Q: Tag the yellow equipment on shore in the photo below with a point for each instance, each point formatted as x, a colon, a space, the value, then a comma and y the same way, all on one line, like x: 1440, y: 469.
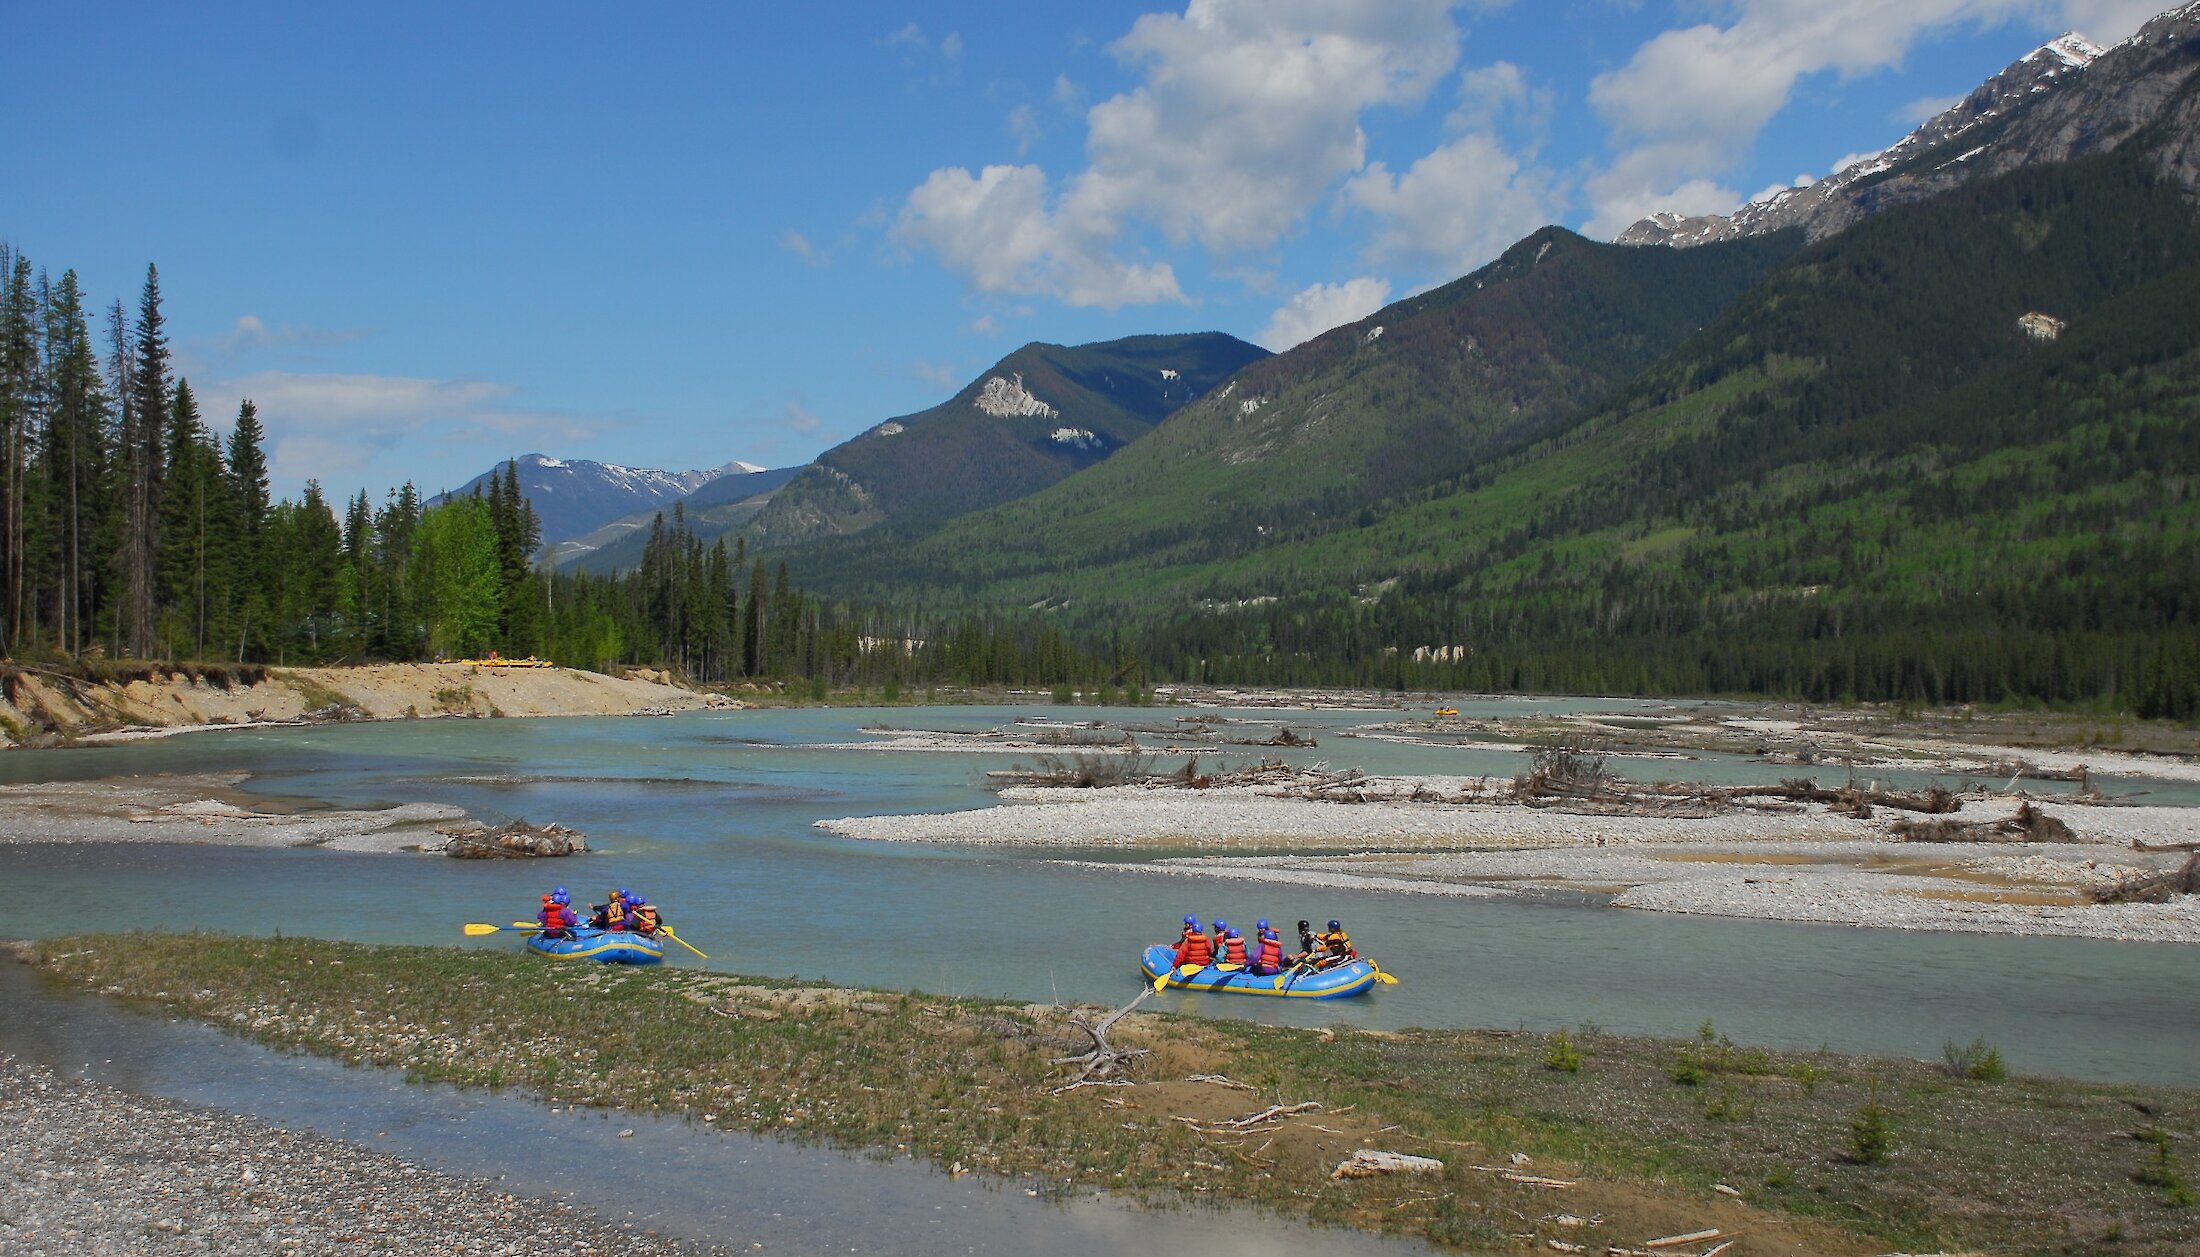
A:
x: 497, y: 661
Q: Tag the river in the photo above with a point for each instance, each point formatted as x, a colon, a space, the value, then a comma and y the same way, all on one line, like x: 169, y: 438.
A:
x: 710, y: 814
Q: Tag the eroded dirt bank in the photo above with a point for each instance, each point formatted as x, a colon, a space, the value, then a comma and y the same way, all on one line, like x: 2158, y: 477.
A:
x: 39, y: 706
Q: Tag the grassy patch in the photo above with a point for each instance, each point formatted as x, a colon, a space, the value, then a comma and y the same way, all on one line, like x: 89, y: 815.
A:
x: 2026, y: 1166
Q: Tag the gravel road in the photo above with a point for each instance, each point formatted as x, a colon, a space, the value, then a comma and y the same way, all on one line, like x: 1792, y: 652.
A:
x: 88, y: 1171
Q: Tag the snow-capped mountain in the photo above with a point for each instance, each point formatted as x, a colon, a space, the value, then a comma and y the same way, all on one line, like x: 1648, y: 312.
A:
x: 577, y: 496
x: 2068, y: 97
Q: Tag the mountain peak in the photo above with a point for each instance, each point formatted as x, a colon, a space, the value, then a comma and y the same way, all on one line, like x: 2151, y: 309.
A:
x: 2069, y: 95
x: 2075, y: 51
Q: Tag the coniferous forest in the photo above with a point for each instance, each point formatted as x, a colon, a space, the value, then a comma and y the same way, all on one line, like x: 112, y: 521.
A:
x: 130, y: 530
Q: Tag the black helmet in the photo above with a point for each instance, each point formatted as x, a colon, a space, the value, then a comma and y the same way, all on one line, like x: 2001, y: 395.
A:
x: 1305, y: 925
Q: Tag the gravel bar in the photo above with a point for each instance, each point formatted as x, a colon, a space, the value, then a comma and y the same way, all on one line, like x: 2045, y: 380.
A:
x: 87, y: 1170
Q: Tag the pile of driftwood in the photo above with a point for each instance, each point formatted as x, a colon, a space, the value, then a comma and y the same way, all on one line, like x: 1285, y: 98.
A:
x: 2160, y: 886
x: 514, y: 840
x: 2027, y: 824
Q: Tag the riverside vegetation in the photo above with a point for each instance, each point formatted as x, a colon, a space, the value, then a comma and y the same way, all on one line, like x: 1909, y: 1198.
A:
x: 1814, y: 1152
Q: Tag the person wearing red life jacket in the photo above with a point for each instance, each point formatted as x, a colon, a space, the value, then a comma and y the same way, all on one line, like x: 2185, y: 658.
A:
x: 556, y: 915
x: 1267, y: 950
x: 1193, y: 947
x: 643, y: 918
x: 1233, y: 949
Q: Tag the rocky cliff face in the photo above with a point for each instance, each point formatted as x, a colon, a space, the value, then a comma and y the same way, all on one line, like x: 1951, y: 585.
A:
x: 2066, y: 99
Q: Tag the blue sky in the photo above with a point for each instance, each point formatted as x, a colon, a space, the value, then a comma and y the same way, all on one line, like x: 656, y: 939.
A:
x: 425, y: 238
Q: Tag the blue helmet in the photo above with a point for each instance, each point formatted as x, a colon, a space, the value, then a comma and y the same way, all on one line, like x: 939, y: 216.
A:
x: 1192, y: 921
x: 1336, y: 925
x: 624, y: 893
x: 1222, y: 927
x: 1261, y: 924
x: 559, y: 893
x: 1233, y: 934
x: 636, y: 901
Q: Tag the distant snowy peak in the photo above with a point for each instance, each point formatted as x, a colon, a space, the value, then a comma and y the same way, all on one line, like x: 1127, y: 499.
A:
x: 1828, y: 204
x: 642, y: 480
x: 574, y: 496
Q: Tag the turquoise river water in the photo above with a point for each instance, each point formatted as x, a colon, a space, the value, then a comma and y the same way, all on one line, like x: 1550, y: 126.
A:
x: 710, y: 814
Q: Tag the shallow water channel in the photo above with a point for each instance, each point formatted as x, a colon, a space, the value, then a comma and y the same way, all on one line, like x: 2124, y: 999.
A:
x: 710, y: 814
x: 671, y: 1176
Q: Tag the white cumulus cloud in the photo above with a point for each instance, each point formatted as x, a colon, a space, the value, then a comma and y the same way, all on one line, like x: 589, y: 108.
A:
x: 1246, y: 114
x: 999, y: 230
x: 1316, y: 309
x: 1454, y: 209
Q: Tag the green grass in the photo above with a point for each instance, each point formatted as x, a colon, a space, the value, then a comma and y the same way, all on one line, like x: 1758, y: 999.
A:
x: 2025, y: 1166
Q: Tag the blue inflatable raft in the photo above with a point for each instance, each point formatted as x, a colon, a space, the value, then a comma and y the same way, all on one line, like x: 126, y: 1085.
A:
x: 1351, y: 978
x: 612, y: 947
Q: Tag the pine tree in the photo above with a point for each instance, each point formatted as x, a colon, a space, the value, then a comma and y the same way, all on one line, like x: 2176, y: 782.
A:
x: 142, y: 467
x: 73, y: 463
x: 21, y: 373
x: 246, y: 469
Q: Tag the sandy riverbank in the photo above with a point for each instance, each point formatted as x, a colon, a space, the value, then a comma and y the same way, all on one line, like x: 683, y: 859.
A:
x: 1806, y: 863
x: 204, y: 808
x: 43, y: 705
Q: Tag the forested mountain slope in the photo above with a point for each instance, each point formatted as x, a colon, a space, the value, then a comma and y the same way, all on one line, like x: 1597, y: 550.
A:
x: 1866, y: 478
x: 1040, y: 414
x: 1332, y: 434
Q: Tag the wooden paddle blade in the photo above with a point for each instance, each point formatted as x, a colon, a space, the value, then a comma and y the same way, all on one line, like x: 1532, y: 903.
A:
x: 481, y: 927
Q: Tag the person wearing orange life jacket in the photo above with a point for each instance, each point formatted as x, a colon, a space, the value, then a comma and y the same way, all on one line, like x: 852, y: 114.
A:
x: 1336, y: 947
x: 643, y: 918
x: 1193, y: 947
x: 1267, y: 950
x: 1233, y: 949
x: 612, y: 915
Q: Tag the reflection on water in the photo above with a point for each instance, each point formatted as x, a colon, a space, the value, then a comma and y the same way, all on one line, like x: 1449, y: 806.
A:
x: 672, y: 1176
x: 731, y: 853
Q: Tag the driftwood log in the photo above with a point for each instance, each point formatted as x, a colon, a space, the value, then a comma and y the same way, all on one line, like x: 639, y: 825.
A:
x: 2156, y: 887
x: 2027, y: 824
x: 514, y: 840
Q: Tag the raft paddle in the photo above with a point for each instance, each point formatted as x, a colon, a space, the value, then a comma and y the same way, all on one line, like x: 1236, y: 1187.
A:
x: 482, y: 927
x: 1181, y: 973
x: 666, y: 930
x: 1380, y: 976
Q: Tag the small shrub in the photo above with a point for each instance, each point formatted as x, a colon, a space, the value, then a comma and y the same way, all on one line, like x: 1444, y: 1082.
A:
x: 1688, y: 1068
x: 2161, y: 1171
x: 1562, y: 1055
x: 1980, y: 1061
x: 1779, y: 1177
x: 1808, y: 1075
x: 1728, y: 1105
x: 1871, y: 1132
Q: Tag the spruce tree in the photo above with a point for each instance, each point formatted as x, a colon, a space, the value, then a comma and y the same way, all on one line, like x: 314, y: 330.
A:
x: 142, y: 467
x: 20, y: 376
x: 246, y: 469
